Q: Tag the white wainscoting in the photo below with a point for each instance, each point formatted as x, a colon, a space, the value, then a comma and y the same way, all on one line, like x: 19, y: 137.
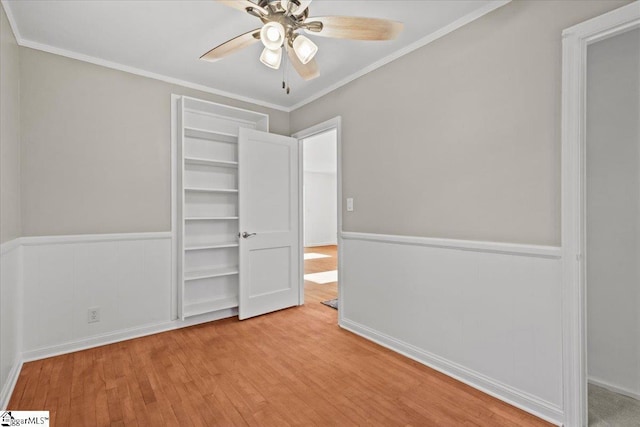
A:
x: 49, y: 283
x: 10, y: 318
x: 488, y: 314
x: 128, y: 276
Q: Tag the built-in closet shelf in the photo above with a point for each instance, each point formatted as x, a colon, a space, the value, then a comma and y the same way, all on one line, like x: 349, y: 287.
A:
x: 209, y: 306
x: 211, y: 218
x: 217, y: 246
x: 209, y: 273
x: 210, y: 135
x: 207, y: 198
x: 210, y: 162
x: 211, y: 190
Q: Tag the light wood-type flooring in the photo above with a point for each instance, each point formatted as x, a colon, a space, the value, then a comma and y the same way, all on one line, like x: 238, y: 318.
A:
x: 292, y: 367
x: 313, y: 292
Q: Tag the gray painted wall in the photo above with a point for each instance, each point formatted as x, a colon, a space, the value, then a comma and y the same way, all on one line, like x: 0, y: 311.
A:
x: 461, y: 138
x: 10, y: 226
x: 96, y: 147
x: 613, y: 211
x: 10, y: 275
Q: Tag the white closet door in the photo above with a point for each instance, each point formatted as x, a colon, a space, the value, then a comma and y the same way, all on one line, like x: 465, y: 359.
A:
x: 269, y: 217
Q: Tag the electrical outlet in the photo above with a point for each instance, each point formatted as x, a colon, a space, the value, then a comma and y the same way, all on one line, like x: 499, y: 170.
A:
x: 94, y: 314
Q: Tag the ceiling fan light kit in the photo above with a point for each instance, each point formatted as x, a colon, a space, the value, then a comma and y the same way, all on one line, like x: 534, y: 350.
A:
x: 271, y: 57
x: 283, y: 20
x: 304, y: 48
x: 272, y: 35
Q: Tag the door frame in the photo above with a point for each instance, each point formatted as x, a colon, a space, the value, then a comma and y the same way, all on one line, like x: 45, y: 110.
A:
x: 335, y: 123
x: 575, y: 41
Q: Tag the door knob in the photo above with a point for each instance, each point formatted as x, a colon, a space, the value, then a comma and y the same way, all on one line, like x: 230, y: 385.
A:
x: 247, y: 235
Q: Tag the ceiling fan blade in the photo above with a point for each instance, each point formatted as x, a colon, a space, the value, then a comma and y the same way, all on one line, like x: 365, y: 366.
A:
x: 308, y: 71
x: 231, y: 46
x: 355, y: 28
x: 243, y: 5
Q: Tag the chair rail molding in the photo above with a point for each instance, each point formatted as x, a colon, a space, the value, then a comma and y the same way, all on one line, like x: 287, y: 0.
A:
x: 92, y: 238
x: 575, y: 41
x: 468, y: 245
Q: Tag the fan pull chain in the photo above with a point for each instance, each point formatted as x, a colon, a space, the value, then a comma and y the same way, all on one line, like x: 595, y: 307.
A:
x: 284, y: 67
x: 287, y: 74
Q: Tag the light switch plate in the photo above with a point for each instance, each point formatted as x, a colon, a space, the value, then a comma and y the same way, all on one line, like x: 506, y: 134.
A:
x: 349, y: 204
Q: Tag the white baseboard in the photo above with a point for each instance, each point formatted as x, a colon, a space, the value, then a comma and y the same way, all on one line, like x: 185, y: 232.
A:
x: 132, y: 266
x: 69, y: 347
x: 113, y: 336
x: 524, y: 401
x: 9, y: 386
x: 614, y: 388
x: 123, y: 335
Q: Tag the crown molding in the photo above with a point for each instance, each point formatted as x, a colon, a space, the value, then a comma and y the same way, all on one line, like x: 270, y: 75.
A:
x: 12, y: 20
x: 127, y: 69
x: 489, y: 7
x: 144, y: 73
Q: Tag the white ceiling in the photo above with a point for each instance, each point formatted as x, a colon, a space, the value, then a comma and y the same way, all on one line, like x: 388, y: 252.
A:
x: 166, y: 38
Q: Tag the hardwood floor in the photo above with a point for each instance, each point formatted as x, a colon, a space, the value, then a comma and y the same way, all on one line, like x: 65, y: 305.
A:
x: 314, y: 292
x: 292, y: 367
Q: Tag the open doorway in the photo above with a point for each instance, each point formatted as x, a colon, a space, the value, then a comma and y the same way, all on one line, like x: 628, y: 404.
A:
x: 601, y: 219
x: 320, y: 208
x: 613, y: 230
x: 320, y: 217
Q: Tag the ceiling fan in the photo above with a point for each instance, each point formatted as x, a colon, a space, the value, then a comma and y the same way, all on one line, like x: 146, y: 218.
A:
x: 282, y: 22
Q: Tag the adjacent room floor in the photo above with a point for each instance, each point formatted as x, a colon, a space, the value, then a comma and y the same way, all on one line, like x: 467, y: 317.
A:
x: 609, y: 409
x: 315, y: 292
x: 292, y: 367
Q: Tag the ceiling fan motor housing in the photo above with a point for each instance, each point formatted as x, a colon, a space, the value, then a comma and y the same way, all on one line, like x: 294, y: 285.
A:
x: 276, y: 6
